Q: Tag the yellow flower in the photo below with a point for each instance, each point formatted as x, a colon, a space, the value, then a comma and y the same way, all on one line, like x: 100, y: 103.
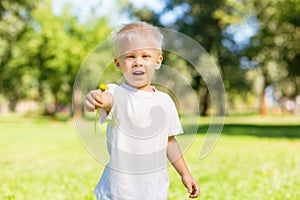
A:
x: 102, y: 87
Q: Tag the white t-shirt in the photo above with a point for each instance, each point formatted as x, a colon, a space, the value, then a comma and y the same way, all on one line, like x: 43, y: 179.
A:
x: 139, y: 124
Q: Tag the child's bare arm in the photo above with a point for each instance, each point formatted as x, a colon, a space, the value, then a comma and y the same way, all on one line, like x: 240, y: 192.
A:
x: 175, y: 157
x: 98, y: 99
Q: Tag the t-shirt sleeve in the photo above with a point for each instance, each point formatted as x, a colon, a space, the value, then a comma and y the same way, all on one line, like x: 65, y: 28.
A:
x: 175, y: 127
x: 103, y: 115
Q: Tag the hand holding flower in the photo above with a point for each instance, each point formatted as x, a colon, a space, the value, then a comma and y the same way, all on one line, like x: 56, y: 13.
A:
x: 102, y: 87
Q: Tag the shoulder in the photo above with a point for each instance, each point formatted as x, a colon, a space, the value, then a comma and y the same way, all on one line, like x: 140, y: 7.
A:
x: 164, y: 96
x: 112, y: 87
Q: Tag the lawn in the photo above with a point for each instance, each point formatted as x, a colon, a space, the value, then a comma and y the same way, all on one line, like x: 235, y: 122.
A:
x: 255, y: 158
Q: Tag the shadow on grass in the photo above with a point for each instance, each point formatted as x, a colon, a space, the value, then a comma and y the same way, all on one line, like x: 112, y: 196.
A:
x: 274, y: 131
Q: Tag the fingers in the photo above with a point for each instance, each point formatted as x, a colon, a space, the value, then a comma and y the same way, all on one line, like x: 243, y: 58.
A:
x: 189, y: 188
x: 93, y: 100
x: 195, y: 191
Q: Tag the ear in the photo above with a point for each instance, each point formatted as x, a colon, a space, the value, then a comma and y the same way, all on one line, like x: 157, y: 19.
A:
x: 117, y: 63
x: 159, y: 61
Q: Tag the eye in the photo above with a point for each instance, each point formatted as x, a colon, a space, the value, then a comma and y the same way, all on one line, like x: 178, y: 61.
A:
x: 146, y: 56
x: 129, y: 57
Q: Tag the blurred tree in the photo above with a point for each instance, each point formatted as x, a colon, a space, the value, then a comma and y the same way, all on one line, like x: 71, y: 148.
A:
x: 275, y: 49
x: 41, y: 52
x: 58, y: 47
x: 14, y: 23
x: 205, y: 22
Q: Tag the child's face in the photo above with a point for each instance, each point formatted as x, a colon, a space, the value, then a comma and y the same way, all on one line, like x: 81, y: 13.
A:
x: 138, y: 66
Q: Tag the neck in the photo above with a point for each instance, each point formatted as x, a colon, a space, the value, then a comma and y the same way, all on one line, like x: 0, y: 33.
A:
x: 146, y: 87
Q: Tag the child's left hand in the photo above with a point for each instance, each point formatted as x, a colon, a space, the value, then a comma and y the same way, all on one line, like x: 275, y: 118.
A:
x: 191, y: 184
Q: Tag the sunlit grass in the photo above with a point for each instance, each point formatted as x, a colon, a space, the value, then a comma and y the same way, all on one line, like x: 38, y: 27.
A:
x: 244, y: 167
x: 45, y: 161
x: 40, y: 159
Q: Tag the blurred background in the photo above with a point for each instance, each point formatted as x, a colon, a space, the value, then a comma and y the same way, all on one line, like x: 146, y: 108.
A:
x: 254, y: 43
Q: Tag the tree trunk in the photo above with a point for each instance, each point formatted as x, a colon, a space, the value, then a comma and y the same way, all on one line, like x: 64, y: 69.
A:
x: 77, y: 103
x: 206, y: 100
x: 12, y: 105
x: 263, y: 105
x: 222, y: 102
x: 55, y: 109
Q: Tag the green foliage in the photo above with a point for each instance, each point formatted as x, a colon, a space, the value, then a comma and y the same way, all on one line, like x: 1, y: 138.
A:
x: 62, y: 44
x: 14, y: 22
x: 275, y: 47
x: 42, y: 52
x: 205, y: 22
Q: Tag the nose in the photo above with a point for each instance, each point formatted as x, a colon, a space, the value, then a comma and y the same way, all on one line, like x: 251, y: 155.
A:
x: 138, y: 62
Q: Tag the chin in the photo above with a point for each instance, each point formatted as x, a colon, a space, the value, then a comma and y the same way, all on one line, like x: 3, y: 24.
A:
x: 137, y: 84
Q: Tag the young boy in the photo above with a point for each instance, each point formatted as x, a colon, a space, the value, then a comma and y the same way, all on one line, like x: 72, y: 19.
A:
x: 142, y: 123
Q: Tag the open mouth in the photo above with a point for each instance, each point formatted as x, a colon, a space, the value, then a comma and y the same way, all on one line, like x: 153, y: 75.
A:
x: 138, y: 73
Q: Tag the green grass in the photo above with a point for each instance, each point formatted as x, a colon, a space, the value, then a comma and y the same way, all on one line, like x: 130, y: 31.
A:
x: 255, y: 158
x: 44, y: 161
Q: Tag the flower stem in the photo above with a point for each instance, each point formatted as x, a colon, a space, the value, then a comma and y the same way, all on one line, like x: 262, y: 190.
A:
x: 102, y: 87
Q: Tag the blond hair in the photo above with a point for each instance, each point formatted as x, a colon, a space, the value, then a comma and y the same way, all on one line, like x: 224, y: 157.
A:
x: 139, y: 30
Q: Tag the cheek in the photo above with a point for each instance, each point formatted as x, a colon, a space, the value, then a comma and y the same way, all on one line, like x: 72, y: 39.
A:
x: 151, y: 66
x: 126, y: 65
x: 150, y: 69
